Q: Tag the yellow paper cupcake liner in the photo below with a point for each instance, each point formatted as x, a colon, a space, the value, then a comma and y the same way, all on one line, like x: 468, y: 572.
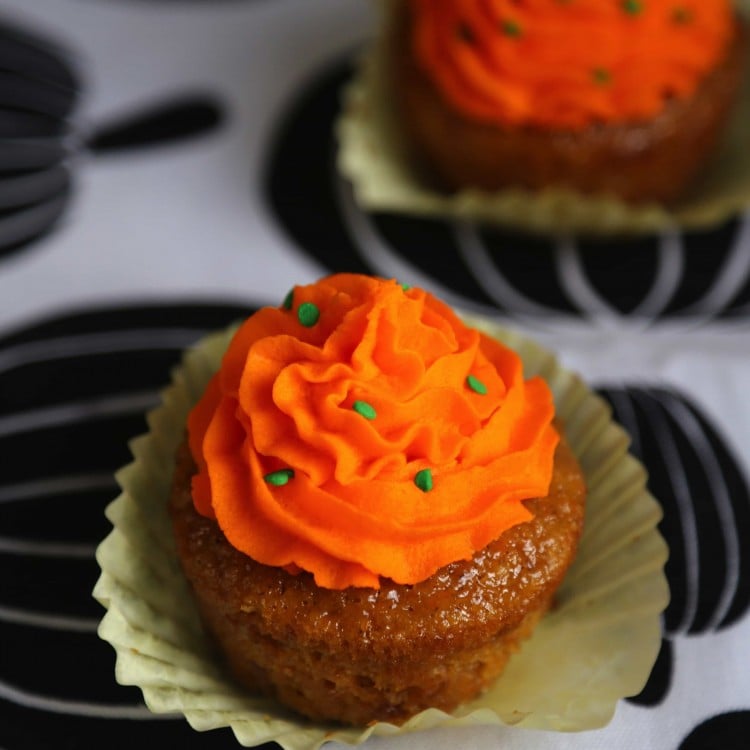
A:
x: 374, y: 158
x: 597, y: 646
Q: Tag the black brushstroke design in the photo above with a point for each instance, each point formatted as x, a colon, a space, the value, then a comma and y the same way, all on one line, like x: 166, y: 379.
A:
x: 31, y: 56
x: 40, y: 86
x: 705, y: 524
x: 728, y: 731
x: 302, y: 185
x: 184, y: 117
x: 131, y: 350
x: 660, y: 679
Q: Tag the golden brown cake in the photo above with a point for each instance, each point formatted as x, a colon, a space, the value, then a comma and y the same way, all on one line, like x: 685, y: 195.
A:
x: 622, y: 98
x: 373, y: 506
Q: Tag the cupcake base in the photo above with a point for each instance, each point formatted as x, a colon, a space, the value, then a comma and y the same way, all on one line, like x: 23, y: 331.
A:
x: 361, y: 655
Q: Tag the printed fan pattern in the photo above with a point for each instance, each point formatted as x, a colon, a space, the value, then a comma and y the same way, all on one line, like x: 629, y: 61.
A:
x: 73, y: 391
x: 41, y: 141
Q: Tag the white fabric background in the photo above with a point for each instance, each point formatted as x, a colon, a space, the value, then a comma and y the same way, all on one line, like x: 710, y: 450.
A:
x: 191, y: 224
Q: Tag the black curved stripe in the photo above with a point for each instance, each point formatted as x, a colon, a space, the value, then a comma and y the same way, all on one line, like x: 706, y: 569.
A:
x: 705, y: 252
x: 21, y: 156
x: 33, y: 187
x: 660, y: 680
x: 660, y: 484
x: 50, y: 585
x: 61, y: 654
x: 706, y: 501
x: 38, y: 92
x: 739, y: 493
x: 86, y: 376
x: 118, y: 318
x: 712, y: 537
x: 40, y: 96
x: 302, y: 184
x: 429, y: 245
x: 82, y: 447
x: 34, y: 729
x: 43, y: 512
x: 171, y: 121
x: 32, y: 56
x: 528, y: 264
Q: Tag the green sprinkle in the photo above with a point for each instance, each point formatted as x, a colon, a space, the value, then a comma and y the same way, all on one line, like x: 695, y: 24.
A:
x: 682, y: 16
x: 632, y: 7
x: 601, y: 76
x: 364, y: 409
x: 406, y: 287
x: 308, y: 314
x: 512, y: 29
x: 476, y: 385
x: 423, y: 480
x: 465, y: 33
x: 288, y: 300
x: 279, y: 478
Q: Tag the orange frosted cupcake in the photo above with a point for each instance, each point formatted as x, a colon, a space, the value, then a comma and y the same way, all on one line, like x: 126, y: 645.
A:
x: 626, y: 97
x: 373, y: 506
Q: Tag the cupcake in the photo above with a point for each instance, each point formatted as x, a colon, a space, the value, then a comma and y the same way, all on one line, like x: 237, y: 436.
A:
x: 626, y: 98
x: 580, y: 649
x: 372, y: 506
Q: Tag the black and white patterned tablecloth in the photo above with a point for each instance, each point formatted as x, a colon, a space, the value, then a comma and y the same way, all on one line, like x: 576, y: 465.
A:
x: 167, y: 166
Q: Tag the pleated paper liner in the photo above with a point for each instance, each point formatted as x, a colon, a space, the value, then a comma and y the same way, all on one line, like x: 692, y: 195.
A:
x: 597, y: 645
x: 375, y: 159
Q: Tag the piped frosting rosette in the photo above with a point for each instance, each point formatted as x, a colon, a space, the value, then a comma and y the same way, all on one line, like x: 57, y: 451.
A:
x: 362, y: 430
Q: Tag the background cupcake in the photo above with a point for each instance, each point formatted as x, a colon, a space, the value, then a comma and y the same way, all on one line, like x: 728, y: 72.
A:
x: 590, y: 117
x: 606, y: 614
x: 624, y: 98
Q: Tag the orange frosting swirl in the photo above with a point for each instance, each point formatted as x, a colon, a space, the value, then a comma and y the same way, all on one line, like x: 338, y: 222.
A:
x: 362, y: 430
x: 565, y: 64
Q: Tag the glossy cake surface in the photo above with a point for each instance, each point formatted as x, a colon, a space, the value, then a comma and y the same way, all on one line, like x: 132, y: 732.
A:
x: 357, y: 654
